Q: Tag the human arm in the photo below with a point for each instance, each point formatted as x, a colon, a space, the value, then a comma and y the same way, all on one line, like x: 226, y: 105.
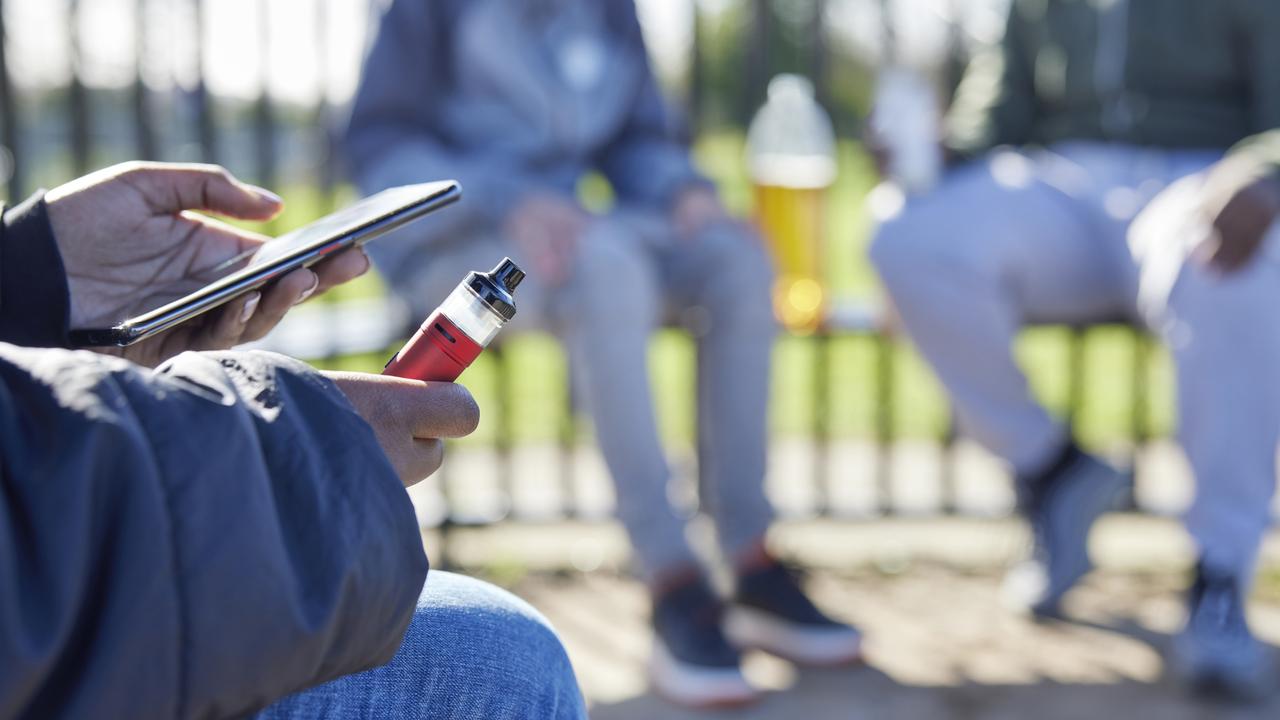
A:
x: 196, y: 541
x: 645, y: 163
x: 390, y: 138
x: 1242, y: 192
x: 129, y: 240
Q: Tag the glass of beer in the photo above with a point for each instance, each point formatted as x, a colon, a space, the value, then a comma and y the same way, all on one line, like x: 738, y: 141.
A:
x: 791, y: 156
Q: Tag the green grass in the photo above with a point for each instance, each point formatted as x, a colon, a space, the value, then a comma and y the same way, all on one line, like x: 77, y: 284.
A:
x: 536, y: 368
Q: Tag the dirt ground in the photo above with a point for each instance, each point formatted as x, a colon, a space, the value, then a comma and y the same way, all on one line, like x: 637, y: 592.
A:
x: 938, y: 642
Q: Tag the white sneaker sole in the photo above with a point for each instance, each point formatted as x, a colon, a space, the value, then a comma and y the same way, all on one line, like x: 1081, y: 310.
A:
x: 696, y: 686
x: 749, y: 628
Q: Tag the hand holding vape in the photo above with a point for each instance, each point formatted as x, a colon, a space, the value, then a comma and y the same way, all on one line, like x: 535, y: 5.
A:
x: 460, y: 329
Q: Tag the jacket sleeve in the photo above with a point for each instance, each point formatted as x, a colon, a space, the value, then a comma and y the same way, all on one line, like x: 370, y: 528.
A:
x: 996, y: 101
x: 390, y: 138
x: 1259, y: 24
x: 646, y: 165
x: 34, y: 301
x: 192, y: 542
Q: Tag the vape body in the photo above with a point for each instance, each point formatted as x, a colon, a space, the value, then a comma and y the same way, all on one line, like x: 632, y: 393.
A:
x: 460, y: 329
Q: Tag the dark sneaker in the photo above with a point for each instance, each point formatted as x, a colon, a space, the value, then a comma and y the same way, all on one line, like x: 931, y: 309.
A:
x: 1216, y: 654
x: 1061, y: 508
x: 693, y: 663
x: 770, y: 612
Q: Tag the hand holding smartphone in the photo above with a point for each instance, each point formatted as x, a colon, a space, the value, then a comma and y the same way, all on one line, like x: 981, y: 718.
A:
x: 351, y: 227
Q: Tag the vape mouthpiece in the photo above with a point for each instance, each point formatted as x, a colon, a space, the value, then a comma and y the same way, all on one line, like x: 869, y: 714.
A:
x: 494, y: 287
x: 507, y: 275
x: 454, y: 335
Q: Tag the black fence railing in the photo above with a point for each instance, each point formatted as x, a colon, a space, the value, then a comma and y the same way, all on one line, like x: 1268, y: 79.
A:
x: 49, y: 133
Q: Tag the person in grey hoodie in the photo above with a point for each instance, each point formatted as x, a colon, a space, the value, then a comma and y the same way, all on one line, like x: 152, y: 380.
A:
x: 203, y: 539
x: 520, y: 100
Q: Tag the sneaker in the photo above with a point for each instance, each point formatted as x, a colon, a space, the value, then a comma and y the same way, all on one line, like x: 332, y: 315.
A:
x: 1216, y: 653
x: 693, y: 664
x: 1061, y: 507
x: 770, y: 612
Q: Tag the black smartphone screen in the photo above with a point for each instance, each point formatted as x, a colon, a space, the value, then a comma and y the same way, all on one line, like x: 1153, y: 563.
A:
x: 350, y: 227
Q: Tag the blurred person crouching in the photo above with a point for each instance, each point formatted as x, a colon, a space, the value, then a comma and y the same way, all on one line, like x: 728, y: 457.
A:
x: 1115, y: 159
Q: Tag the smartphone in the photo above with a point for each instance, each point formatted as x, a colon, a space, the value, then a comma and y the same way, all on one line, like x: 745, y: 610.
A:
x: 353, y: 226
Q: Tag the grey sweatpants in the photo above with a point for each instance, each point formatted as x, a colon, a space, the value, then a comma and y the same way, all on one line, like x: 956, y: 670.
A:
x: 629, y: 274
x: 1081, y: 233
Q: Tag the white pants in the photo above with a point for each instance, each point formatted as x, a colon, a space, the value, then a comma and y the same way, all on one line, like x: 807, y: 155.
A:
x: 1082, y: 233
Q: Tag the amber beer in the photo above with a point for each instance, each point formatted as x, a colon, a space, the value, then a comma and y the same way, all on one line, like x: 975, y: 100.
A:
x: 793, y: 222
x: 791, y: 161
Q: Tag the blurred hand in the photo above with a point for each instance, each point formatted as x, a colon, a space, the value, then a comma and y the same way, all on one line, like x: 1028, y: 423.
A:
x: 1242, y: 199
x: 547, y: 229
x: 695, y: 209
x: 882, y: 156
x: 878, y: 150
x: 410, y: 418
x: 128, y: 241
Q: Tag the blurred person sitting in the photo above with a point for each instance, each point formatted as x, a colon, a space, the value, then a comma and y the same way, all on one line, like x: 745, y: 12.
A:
x: 202, y: 539
x: 519, y: 100
x: 1140, y: 165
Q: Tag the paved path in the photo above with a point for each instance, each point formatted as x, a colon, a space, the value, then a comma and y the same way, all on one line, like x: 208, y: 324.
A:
x: 939, y: 644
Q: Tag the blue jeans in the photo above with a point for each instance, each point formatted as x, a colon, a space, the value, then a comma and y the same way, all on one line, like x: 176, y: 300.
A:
x: 472, y: 651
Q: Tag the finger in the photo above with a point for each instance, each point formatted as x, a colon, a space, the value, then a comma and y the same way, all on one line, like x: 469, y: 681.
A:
x: 172, y: 188
x: 425, y: 410
x: 278, y: 298
x: 1232, y: 256
x: 343, y: 267
x: 422, y: 459
x: 226, y: 328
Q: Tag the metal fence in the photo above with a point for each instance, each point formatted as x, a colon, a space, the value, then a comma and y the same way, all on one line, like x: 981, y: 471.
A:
x: 54, y: 132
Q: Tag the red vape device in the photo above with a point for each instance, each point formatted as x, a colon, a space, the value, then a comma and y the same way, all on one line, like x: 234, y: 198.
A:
x: 460, y: 329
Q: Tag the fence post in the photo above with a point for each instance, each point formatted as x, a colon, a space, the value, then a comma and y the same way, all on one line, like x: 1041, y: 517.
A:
x: 822, y: 422
x: 9, y: 120
x: 324, y: 115
x: 697, y: 75
x: 757, y: 58
x: 1140, y: 429
x: 204, y: 107
x: 78, y: 98
x: 819, y: 60
x: 568, y: 439
x: 143, y: 128
x: 949, y: 466
x: 264, y: 121
x: 1075, y: 375
x: 884, y: 423
x: 503, y: 441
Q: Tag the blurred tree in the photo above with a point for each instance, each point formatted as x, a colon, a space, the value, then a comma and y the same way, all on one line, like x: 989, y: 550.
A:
x: 743, y: 43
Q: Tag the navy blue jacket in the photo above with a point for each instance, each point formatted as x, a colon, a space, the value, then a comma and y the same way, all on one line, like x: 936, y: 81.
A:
x: 191, y: 542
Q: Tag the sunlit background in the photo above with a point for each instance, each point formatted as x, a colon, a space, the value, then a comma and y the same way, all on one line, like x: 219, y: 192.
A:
x: 860, y: 428
x: 261, y: 86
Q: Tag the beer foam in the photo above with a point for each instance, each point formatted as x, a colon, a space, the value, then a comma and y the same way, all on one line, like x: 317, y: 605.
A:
x: 802, y: 172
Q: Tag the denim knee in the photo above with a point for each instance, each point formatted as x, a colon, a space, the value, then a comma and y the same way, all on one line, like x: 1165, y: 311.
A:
x: 472, y: 651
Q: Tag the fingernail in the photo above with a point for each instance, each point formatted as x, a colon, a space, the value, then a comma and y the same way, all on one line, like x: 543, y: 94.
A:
x: 250, y: 307
x: 267, y: 195
x: 367, y: 264
x: 315, y: 283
